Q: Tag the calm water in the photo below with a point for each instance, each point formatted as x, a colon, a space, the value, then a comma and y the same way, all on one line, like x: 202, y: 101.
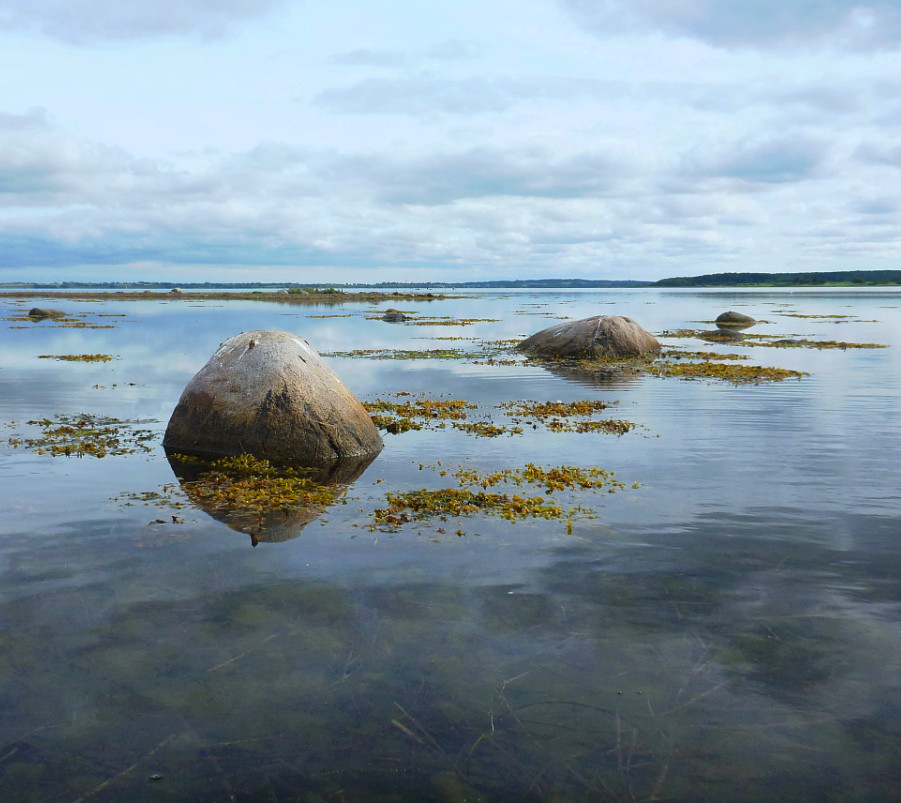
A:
x: 728, y: 631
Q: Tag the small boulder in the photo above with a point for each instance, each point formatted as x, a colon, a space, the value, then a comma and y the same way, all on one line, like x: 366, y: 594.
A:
x: 392, y: 315
x: 176, y: 290
x: 602, y: 336
x: 41, y: 312
x: 269, y: 393
x: 731, y: 318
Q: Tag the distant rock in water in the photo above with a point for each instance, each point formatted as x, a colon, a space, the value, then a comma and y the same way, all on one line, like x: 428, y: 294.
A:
x: 731, y: 318
x: 392, y: 315
x: 41, y: 312
x: 268, y: 393
x: 602, y: 336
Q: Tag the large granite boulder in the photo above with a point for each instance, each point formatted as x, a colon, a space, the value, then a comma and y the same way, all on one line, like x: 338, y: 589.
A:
x: 731, y: 318
x: 269, y: 393
x: 602, y: 336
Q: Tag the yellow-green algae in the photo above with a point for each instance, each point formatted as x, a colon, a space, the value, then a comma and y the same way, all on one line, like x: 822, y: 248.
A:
x: 737, y: 374
x: 400, y: 354
x: 253, y: 485
x: 422, y: 412
x: 417, y: 412
x: 550, y: 414
x: 472, y: 497
x: 486, y: 429
x: 86, y: 435
x: 77, y: 357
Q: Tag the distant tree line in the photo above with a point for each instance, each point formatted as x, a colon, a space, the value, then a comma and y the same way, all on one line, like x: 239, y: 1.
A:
x: 844, y: 277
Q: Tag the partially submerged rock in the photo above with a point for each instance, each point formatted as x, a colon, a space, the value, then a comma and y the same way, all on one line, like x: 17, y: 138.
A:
x: 392, y: 315
x: 731, y: 318
x: 41, y: 312
x: 268, y: 393
x: 599, y: 337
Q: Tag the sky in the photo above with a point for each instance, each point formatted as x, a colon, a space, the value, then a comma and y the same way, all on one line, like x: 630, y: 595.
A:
x: 363, y: 141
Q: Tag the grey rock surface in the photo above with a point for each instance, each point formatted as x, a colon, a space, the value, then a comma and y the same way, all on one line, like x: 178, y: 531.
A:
x: 731, y: 318
x: 268, y: 393
x: 601, y: 336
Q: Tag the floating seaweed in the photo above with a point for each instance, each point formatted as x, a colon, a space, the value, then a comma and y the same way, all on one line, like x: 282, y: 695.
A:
x: 77, y: 357
x: 86, y: 435
x: 486, y: 429
x: 737, y: 374
x: 472, y: 497
x: 400, y: 354
x: 804, y: 343
x: 269, y: 502
x: 450, y: 321
x: 551, y: 416
x: 417, y: 413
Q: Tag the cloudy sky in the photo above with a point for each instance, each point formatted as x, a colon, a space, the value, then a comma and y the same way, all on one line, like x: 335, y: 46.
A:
x: 310, y: 140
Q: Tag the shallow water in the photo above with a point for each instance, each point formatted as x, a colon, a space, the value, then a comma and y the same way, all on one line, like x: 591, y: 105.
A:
x: 729, y: 630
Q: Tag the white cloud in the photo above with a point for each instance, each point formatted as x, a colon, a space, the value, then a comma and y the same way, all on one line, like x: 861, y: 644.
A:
x: 757, y: 23
x: 91, y: 21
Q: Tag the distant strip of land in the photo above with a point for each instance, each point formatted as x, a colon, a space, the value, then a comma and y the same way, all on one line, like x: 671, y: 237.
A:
x: 840, y: 278
x: 379, y: 290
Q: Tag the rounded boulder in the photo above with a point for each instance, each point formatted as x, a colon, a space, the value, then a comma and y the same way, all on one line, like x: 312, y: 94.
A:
x: 268, y: 393
x: 601, y: 336
x: 731, y: 318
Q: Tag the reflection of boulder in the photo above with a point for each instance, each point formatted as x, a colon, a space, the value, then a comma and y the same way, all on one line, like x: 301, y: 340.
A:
x: 392, y: 315
x: 269, y: 394
x: 208, y: 488
x: 724, y: 334
x: 602, y: 336
x: 602, y: 376
x: 734, y: 320
x: 39, y: 313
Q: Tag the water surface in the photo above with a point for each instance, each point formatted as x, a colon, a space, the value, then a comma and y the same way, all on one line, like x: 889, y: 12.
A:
x: 729, y: 630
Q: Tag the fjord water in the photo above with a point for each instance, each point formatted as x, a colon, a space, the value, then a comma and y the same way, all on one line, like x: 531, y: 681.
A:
x: 728, y: 630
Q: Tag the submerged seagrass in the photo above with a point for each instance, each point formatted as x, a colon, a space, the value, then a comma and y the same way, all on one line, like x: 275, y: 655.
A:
x: 268, y: 393
x: 601, y: 336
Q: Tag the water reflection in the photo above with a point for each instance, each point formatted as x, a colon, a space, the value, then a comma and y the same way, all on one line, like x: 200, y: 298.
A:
x: 283, y: 500
x: 729, y: 632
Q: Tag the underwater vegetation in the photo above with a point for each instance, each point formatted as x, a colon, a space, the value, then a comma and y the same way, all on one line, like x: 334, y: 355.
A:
x: 83, y: 434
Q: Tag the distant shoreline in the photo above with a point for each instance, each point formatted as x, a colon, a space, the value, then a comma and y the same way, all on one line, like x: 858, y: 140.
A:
x: 853, y: 278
